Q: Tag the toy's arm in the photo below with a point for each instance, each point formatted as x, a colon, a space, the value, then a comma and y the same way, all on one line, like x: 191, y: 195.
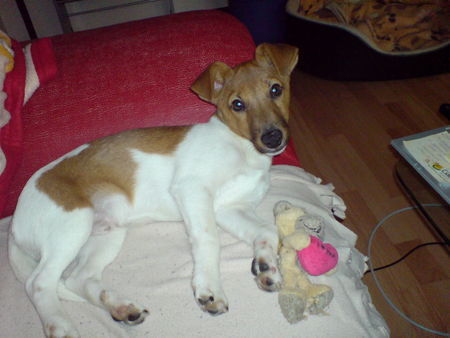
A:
x: 297, y: 241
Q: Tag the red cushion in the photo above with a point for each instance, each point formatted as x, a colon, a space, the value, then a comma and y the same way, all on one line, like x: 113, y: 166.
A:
x: 126, y: 76
x: 16, y: 84
x: 288, y: 157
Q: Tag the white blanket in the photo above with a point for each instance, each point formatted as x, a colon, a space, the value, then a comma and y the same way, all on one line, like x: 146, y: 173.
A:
x: 155, y: 266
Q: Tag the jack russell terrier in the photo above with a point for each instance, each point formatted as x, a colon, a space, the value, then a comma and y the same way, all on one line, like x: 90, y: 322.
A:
x: 72, y: 215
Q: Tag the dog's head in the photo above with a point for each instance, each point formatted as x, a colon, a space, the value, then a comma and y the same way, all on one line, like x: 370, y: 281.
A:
x: 253, y: 98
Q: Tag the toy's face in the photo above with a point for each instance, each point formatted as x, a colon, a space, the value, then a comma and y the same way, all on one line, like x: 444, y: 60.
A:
x: 313, y: 225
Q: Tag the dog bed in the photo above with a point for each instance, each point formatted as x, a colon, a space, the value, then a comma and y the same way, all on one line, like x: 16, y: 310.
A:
x: 370, y: 39
x: 155, y: 267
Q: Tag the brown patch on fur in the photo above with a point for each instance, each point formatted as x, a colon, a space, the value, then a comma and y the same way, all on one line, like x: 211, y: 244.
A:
x: 106, y: 166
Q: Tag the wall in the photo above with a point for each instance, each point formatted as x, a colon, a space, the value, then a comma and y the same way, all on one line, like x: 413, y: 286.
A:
x: 46, y: 22
x: 12, y: 20
x: 189, y: 5
x: 114, y: 14
x: 44, y: 17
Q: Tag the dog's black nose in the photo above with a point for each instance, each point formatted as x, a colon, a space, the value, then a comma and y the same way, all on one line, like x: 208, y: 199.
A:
x: 272, y: 138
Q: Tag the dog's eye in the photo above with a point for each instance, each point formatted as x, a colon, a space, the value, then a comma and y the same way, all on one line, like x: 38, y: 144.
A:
x: 275, y: 90
x: 238, y: 105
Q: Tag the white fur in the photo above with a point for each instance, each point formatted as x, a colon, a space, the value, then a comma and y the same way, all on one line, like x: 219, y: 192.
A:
x: 213, y: 177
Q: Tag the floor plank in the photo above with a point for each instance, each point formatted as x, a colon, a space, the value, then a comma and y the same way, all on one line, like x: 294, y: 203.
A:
x: 342, y: 132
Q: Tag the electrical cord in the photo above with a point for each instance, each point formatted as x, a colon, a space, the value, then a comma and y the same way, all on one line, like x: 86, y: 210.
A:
x: 406, y: 255
x: 377, y: 282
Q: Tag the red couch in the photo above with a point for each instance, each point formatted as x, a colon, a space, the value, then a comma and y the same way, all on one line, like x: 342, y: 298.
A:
x: 111, y: 79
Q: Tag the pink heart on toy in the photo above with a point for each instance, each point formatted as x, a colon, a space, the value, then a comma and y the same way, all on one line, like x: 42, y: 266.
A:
x: 318, y: 258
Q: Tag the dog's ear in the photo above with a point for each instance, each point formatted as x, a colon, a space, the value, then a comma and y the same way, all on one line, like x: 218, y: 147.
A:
x: 279, y: 56
x: 209, y: 84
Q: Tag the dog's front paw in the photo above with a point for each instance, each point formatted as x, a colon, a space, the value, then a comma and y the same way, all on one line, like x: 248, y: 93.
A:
x: 59, y: 327
x: 129, y: 314
x: 268, y: 277
x: 214, y: 304
x: 123, y: 310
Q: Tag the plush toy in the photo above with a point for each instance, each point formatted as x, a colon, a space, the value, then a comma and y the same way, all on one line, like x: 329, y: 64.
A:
x: 6, y: 65
x: 302, y: 252
x: 6, y: 52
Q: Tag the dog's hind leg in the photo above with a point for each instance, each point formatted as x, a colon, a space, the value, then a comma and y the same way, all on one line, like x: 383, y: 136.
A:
x: 86, y: 278
x: 63, y: 240
x: 100, y: 250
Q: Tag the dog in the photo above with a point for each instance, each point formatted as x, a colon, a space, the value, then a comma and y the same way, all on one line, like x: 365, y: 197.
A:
x: 73, y: 214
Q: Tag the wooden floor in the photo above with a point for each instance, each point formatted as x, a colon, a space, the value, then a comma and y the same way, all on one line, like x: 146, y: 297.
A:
x: 342, y: 132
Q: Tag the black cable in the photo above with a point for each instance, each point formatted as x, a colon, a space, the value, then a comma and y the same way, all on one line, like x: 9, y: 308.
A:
x: 406, y: 255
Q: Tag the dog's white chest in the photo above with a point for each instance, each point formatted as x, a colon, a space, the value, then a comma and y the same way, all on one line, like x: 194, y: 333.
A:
x: 229, y: 167
x: 248, y: 186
